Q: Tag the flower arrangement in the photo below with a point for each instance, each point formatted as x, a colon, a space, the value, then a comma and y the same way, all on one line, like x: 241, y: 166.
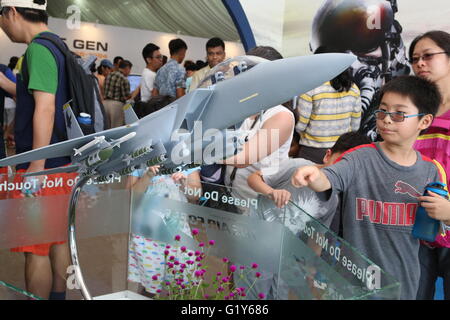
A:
x: 188, y: 280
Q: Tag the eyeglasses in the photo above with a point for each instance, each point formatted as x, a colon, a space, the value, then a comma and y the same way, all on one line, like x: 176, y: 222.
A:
x: 395, y: 116
x: 425, y: 57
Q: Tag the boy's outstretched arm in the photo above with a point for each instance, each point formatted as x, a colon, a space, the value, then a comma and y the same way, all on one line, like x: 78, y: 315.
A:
x: 312, y: 177
x: 281, y: 197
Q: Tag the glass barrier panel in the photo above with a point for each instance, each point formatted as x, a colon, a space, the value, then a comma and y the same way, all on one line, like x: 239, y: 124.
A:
x: 9, y: 292
x: 102, y: 228
x: 166, y: 210
x: 317, y: 264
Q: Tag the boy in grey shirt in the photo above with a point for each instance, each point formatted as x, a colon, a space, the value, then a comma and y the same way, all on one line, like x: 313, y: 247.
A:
x: 381, y: 182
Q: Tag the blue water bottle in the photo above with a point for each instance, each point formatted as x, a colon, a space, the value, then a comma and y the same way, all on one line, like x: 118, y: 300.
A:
x: 426, y: 228
x: 84, y: 118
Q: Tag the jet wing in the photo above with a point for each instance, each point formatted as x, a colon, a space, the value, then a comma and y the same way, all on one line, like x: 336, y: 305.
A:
x: 65, y: 148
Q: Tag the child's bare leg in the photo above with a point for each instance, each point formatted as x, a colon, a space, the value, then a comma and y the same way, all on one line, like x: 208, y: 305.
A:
x: 60, y: 261
x: 38, y: 275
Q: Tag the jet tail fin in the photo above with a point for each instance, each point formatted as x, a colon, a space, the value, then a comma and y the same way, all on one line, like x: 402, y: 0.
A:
x: 72, y: 126
x: 130, y: 115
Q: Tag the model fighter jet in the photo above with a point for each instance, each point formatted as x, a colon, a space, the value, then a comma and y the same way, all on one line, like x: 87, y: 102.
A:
x: 257, y: 85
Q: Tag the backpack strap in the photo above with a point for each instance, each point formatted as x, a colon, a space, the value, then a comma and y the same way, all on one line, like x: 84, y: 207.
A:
x: 62, y: 136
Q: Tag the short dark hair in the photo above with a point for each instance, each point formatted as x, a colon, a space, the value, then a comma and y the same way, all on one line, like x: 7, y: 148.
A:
x: 176, y: 45
x: 441, y: 38
x: 148, y: 50
x: 13, y: 62
x: 30, y: 15
x: 117, y: 59
x: 265, y: 52
x: 423, y: 93
x: 190, y: 65
x: 215, y: 42
x: 344, y: 81
x: 125, y: 64
x: 350, y: 140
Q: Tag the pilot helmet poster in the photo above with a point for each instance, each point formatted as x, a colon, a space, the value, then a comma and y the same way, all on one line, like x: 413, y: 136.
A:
x: 378, y: 32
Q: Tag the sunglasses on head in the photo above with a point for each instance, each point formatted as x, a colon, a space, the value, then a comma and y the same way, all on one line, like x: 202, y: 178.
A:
x: 397, y: 116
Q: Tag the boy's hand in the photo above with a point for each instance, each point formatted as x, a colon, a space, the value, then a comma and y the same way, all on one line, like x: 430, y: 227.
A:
x: 436, y: 206
x: 152, y: 171
x: 180, y: 178
x: 281, y: 197
x: 304, y: 176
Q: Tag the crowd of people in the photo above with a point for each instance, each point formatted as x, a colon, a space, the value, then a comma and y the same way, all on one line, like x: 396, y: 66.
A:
x: 318, y: 146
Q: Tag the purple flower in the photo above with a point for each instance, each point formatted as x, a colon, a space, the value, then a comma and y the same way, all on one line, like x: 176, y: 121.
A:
x: 176, y: 262
x: 225, y: 279
x: 219, y: 274
x: 168, y: 247
x: 233, y: 268
x: 220, y: 289
x: 167, y: 283
x: 198, y: 274
x: 206, y: 296
x: 197, y: 253
x: 198, y: 259
x: 166, y: 252
x: 199, y: 265
x: 183, y: 249
x: 212, y: 242
x: 177, y: 237
x: 201, y: 244
x: 190, y: 262
x: 182, y: 266
x: 183, y: 286
x: 258, y: 274
x: 225, y: 260
x: 195, y: 232
x: 242, y: 267
x: 158, y: 291
x: 154, y: 278
x: 171, y: 258
x: 190, y: 254
x: 231, y: 294
x: 227, y: 298
x: 255, y: 266
x: 261, y: 295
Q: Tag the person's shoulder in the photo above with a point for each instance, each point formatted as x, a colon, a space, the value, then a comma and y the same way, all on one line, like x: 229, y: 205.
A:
x: 359, y: 150
x: 275, y: 110
x: 435, y: 165
x: 355, y: 88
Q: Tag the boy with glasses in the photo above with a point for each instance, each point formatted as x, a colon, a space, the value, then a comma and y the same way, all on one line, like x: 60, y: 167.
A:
x: 381, y: 183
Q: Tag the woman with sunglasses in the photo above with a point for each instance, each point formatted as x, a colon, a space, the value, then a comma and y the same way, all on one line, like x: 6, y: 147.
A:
x: 430, y: 58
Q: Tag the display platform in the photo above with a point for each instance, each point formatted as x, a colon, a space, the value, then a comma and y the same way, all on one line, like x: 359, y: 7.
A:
x: 122, y: 233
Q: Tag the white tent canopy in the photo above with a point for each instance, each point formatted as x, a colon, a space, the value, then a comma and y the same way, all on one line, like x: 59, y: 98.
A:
x: 198, y: 18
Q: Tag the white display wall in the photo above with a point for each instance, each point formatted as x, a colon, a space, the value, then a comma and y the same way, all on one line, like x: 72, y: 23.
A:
x: 110, y: 41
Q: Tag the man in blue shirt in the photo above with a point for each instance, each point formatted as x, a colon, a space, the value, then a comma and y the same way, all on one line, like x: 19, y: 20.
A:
x: 171, y: 78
